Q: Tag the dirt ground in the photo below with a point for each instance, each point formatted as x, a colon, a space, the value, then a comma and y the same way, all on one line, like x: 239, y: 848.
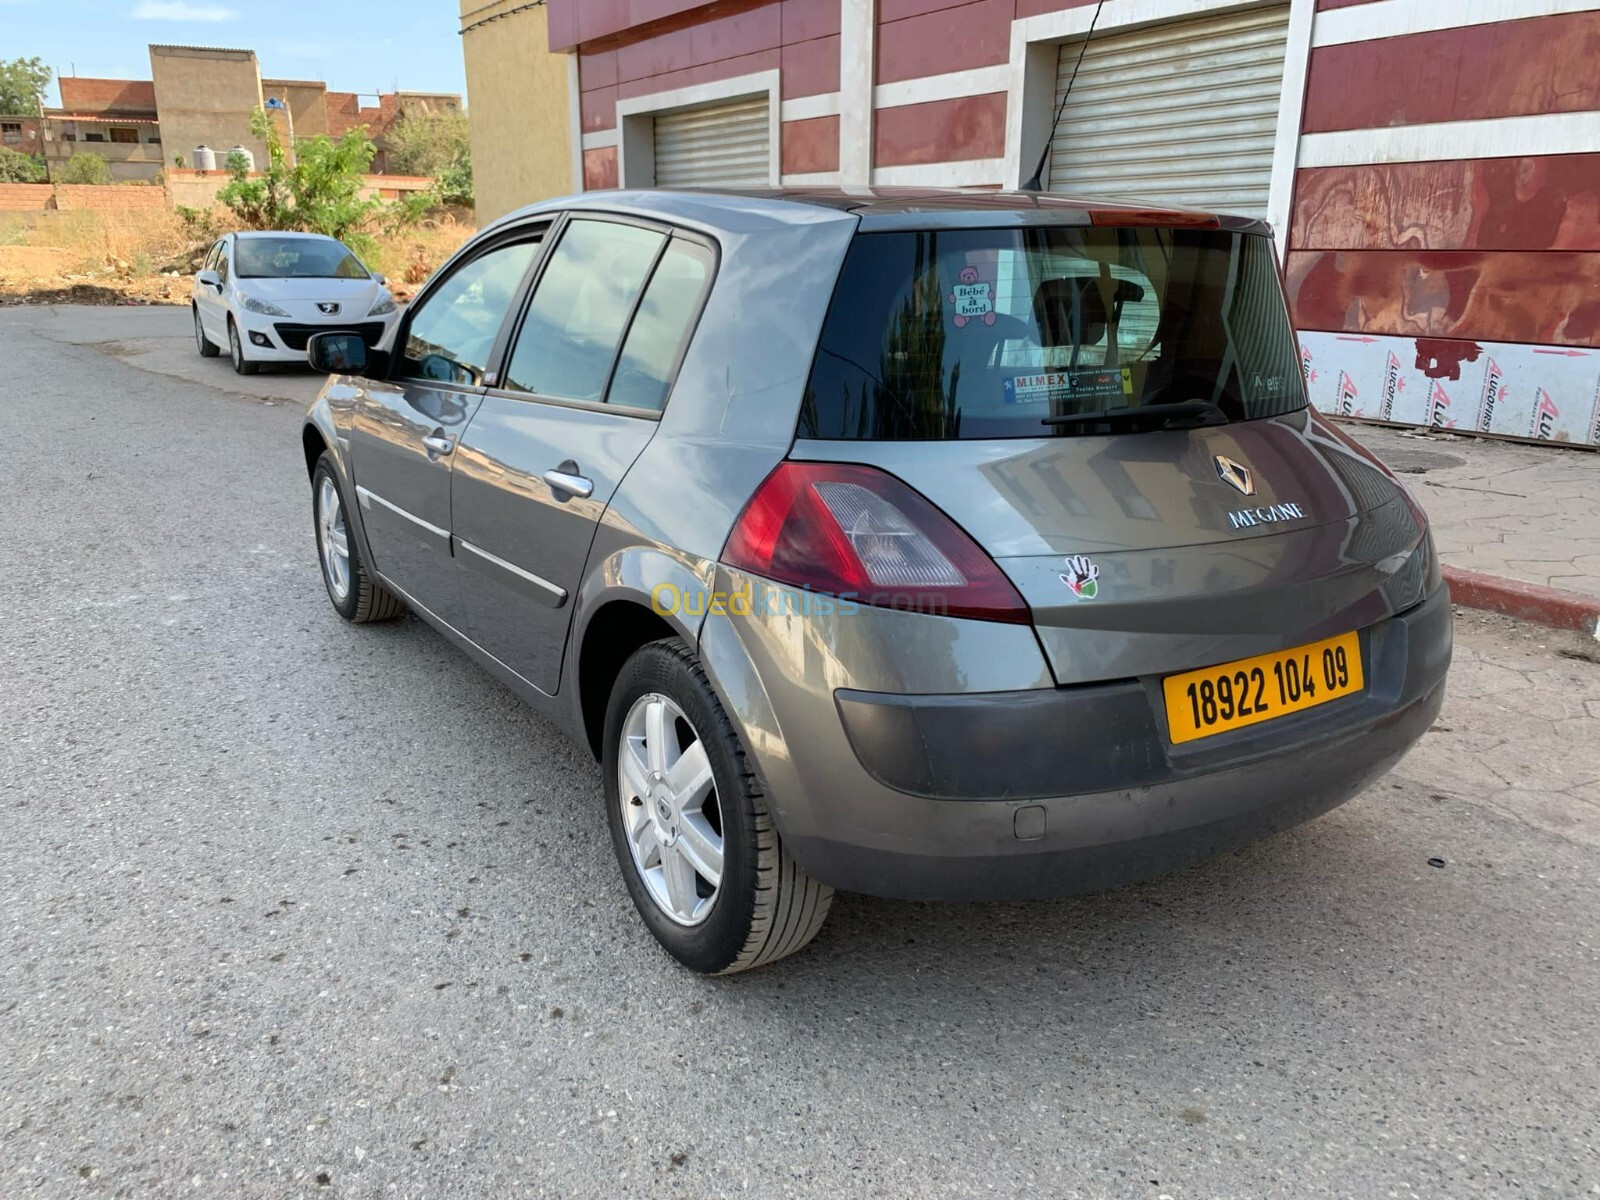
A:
x: 53, y: 275
x: 136, y: 259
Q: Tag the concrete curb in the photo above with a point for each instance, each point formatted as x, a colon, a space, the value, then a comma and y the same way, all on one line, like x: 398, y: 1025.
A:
x: 1525, y: 601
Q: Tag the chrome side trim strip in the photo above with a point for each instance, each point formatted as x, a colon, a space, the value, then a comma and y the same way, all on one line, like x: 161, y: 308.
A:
x: 368, y: 498
x: 526, y: 582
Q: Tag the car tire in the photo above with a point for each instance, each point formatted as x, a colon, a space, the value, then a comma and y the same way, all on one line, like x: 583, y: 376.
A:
x: 763, y: 907
x: 241, y: 364
x: 356, y: 596
x: 207, y: 348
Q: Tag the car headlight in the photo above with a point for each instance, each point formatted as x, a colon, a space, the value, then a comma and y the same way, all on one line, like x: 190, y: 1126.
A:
x: 251, y: 304
x: 383, y: 307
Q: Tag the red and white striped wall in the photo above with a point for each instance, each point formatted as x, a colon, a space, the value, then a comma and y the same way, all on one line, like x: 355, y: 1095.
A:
x: 1435, y: 186
x: 1444, y: 249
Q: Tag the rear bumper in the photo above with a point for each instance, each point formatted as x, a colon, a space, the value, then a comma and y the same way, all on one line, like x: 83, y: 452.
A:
x: 1046, y: 793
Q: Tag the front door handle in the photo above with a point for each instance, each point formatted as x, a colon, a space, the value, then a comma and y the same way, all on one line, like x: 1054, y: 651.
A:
x: 574, y: 485
x: 438, y: 444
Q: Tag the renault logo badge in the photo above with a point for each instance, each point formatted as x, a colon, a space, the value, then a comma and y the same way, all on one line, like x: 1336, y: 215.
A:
x: 1236, y: 475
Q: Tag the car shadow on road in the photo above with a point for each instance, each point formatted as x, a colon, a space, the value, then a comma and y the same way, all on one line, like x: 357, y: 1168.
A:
x: 1291, y: 920
x: 1343, y: 911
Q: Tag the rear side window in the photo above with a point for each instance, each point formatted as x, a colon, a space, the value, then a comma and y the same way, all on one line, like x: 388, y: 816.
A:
x: 660, y: 328
x: 579, y: 309
x: 1016, y: 333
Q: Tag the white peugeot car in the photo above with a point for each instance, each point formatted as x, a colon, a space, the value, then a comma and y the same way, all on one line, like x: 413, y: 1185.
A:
x: 262, y: 296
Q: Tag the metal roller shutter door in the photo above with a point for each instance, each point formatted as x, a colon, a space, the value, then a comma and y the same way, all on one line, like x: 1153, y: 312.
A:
x: 1184, y: 113
x: 725, y: 146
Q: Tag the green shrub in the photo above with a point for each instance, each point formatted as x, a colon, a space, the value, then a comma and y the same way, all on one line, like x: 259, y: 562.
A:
x: 16, y: 167
x: 85, y: 167
x: 455, y: 183
x: 320, y: 193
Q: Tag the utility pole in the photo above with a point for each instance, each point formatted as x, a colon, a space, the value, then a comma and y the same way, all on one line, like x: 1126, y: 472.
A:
x: 44, y: 137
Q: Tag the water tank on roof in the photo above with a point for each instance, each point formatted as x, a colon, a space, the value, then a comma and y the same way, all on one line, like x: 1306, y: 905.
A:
x: 205, y: 158
x: 241, y: 152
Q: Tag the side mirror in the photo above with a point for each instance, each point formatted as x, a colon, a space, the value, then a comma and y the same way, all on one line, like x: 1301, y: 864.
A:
x: 337, y: 353
x: 209, y: 279
x: 380, y: 280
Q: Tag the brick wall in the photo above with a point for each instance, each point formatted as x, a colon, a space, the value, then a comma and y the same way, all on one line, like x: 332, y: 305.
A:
x: 196, y: 189
x: 38, y: 197
x: 100, y: 198
x: 25, y: 197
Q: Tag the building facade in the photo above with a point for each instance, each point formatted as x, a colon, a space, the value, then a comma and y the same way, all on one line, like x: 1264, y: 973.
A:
x: 114, y: 118
x: 1431, y: 170
x: 526, y: 147
x: 206, y: 96
x: 21, y: 134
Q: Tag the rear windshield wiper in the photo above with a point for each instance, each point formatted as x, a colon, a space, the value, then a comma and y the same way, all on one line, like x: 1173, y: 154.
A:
x: 1166, y: 413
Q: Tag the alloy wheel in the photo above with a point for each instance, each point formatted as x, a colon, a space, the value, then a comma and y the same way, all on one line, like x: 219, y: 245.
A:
x: 670, y: 809
x: 333, y: 539
x: 199, y: 332
x: 234, y: 347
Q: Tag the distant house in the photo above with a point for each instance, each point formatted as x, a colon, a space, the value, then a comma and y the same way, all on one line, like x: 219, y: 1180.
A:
x: 22, y: 134
x: 205, y: 96
x: 114, y: 118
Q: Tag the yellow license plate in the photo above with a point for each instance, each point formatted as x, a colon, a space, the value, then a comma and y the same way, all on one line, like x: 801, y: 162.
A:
x: 1233, y: 695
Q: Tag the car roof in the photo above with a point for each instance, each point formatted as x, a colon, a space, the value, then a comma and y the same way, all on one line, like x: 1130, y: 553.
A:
x: 251, y: 235
x: 883, y: 208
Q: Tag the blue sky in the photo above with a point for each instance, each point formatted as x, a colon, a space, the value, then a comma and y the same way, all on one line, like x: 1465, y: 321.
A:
x: 355, y: 45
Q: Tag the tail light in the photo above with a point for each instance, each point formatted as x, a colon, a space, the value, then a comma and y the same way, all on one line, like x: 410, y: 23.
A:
x: 858, y: 532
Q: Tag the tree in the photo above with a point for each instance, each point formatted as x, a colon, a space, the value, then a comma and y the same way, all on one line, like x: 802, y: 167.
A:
x: 428, y: 143
x: 320, y: 193
x: 455, y: 183
x: 84, y: 167
x: 22, y: 86
x: 19, y: 168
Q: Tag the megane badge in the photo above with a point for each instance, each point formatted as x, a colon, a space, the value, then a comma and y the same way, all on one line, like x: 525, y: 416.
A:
x: 1236, y: 475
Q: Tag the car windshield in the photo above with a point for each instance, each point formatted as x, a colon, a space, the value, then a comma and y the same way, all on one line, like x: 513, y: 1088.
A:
x: 295, y: 258
x: 1051, y: 332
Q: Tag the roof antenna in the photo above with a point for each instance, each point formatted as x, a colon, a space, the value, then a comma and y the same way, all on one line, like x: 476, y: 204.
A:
x: 1035, y: 183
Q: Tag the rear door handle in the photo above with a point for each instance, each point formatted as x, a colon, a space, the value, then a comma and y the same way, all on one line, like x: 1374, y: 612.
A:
x: 438, y: 444
x: 575, y: 485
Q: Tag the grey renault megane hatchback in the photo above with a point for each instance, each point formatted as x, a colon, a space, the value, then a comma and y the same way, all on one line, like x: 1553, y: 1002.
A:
x: 928, y: 545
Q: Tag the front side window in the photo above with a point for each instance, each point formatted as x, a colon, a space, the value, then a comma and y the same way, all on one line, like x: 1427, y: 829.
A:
x: 452, y: 333
x: 296, y: 258
x: 223, y: 267
x: 1051, y: 332
x: 569, y: 338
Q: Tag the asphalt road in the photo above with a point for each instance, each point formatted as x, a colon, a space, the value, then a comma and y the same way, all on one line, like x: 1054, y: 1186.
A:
x: 292, y: 908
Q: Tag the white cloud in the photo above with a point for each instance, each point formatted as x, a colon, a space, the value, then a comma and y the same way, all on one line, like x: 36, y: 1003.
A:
x: 181, y: 10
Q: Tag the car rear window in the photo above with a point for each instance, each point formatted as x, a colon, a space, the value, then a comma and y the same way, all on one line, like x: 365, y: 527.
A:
x: 987, y: 333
